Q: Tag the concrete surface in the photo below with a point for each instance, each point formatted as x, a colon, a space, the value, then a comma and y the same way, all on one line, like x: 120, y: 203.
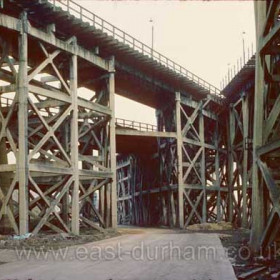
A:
x: 137, y: 254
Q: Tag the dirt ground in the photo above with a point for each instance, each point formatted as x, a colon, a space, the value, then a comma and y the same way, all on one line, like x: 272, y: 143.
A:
x: 138, y: 254
x: 46, y: 241
x: 236, y: 243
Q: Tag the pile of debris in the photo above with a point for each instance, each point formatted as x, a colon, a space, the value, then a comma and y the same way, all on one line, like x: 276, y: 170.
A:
x: 265, y: 270
x: 246, y: 265
x: 221, y: 226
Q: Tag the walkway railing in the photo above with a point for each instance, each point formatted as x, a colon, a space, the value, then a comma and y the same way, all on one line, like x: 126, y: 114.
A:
x: 7, y: 102
x: 135, y: 125
x: 99, y: 23
x: 234, y: 69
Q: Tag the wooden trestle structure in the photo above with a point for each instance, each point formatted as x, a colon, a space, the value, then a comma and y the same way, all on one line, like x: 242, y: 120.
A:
x: 67, y: 163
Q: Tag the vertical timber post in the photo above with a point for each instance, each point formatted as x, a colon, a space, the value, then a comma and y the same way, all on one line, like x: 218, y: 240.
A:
x: 202, y: 166
x: 245, y: 113
x: 74, y: 143
x: 22, y: 92
x: 257, y: 186
x: 231, y: 133
x: 65, y: 200
x: 5, y: 225
x: 217, y: 172
x: 180, y: 162
x: 113, y: 143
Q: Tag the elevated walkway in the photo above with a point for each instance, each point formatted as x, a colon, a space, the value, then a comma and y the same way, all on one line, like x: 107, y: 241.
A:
x: 142, y: 74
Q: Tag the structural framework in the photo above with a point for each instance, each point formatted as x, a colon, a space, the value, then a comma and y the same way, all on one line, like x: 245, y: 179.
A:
x: 66, y: 162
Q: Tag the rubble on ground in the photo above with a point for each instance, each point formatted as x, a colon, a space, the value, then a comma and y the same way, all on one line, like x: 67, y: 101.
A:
x: 54, y: 241
x: 211, y: 226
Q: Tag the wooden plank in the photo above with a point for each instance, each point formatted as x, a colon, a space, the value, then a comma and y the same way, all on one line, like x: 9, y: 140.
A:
x: 92, y: 224
x: 252, y: 274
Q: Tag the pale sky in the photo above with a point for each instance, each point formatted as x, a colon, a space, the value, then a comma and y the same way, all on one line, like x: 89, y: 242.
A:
x: 202, y: 36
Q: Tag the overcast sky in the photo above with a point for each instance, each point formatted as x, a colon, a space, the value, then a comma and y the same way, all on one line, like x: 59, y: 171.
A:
x: 204, y: 37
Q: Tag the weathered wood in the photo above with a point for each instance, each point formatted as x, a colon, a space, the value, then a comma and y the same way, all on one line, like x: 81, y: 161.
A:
x: 217, y: 174
x: 202, y: 167
x: 245, y: 112
x: 22, y: 92
x: 180, y: 162
x: 112, y: 136
x: 74, y: 144
x: 231, y: 133
x: 184, y: 143
x: 257, y: 190
x: 13, y: 23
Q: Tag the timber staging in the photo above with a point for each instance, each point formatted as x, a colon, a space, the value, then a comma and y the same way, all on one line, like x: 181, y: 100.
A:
x: 66, y: 162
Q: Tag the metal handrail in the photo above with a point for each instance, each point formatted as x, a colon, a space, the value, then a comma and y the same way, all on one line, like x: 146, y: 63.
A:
x: 236, y: 68
x: 97, y: 22
x: 136, y: 125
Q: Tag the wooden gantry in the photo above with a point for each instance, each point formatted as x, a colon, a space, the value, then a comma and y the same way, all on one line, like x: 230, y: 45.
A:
x: 57, y: 148
x: 67, y: 163
x: 189, y: 180
x: 266, y: 144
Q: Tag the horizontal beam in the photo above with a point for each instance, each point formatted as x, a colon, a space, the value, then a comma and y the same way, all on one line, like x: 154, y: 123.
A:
x: 54, y: 170
x: 173, y: 188
x: 49, y: 38
x: 130, y: 132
